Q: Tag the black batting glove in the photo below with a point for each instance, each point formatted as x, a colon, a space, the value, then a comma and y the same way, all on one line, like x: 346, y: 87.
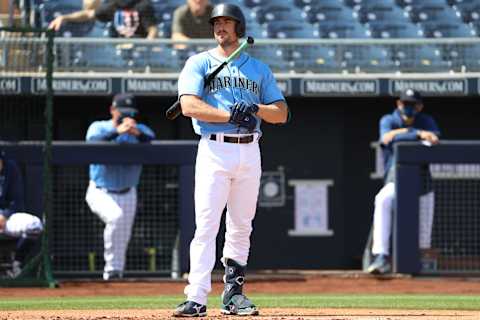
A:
x: 242, y: 116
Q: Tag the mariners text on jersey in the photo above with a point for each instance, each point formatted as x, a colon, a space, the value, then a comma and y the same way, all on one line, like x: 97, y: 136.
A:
x: 219, y: 83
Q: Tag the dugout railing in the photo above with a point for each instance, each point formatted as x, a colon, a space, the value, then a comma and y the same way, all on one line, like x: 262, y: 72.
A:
x: 161, y: 233
x: 456, y: 223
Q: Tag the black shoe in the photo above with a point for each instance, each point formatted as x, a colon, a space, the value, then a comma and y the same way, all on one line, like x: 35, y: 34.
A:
x: 190, y: 309
x: 380, y: 265
x: 112, y: 275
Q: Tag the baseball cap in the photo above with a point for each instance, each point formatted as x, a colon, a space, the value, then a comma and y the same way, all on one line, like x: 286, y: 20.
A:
x: 125, y: 103
x: 411, y: 95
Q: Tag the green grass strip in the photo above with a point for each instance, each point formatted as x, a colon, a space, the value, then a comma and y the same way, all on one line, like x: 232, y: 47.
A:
x: 424, y: 302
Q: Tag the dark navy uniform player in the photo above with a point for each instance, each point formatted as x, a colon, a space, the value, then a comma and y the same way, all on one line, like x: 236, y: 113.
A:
x: 227, y: 115
x: 406, y: 123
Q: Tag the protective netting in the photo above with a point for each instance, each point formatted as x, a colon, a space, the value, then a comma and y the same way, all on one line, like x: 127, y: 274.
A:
x: 455, y: 233
x: 77, y: 233
x: 25, y: 116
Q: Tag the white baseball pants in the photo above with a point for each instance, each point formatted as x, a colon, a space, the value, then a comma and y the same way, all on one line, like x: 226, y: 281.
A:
x: 225, y: 174
x: 117, y: 211
x: 382, y: 219
x: 21, y: 224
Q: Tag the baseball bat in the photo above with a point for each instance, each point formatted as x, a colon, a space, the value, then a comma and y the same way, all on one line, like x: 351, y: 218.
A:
x: 176, y: 109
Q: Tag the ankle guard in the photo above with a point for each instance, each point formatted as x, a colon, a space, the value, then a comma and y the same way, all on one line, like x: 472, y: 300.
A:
x: 234, y: 279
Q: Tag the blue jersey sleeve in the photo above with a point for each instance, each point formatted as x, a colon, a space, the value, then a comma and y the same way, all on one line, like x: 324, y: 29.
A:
x: 270, y: 92
x: 191, y: 78
x: 146, y: 134
x: 385, y: 125
x: 99, y: 132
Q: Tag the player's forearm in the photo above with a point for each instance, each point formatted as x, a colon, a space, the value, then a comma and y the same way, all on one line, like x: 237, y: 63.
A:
x: 390, y: 135
x: 194, y: 107
x: 273, y: 113
x: 80, y: 16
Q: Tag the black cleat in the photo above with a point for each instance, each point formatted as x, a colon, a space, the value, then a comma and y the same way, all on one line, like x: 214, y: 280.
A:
x: 190, y: 309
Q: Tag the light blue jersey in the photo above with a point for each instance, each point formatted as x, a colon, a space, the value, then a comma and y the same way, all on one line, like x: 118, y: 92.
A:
x: 244, y: 79
x: 116, y: 177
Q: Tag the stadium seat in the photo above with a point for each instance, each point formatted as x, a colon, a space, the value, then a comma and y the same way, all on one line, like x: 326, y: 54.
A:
x: 381, y: 29
x: 434, y: 29
x: 255, y: 30
x: 365, y: 5
x: 284, y: 29
x: 263, y: 3
x: 410, y: 58
x: 275, y: 12
x: 446, y: 14
x: 334, y: 30
x: 99, y: 30
x: 384, y: 14
x: 312, y: 58
x: 53, y: 8
x: 320, y: 12
x: 165, y: 59
x: 92, y: 57
x: 164, y: 10
x: 164, y: 29
x: 305, y: 4
x: 469, y: 11
x: 428, y: 3
x: 271, y: 55
x: 475, y: 25
x: 367, y: 59
x: 464, y: 58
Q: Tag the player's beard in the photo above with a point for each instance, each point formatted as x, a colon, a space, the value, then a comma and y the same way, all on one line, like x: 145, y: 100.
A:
x: 226, y: 40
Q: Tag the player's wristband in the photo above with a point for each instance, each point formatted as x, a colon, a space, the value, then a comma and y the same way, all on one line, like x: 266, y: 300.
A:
x: 254, y: 108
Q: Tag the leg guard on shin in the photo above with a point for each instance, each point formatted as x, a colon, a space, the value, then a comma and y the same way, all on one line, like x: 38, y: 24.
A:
x: 233, y: 299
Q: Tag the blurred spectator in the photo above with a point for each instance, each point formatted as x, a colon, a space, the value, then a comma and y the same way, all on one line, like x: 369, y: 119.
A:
x: 129, y: 18
x: 112, y: 191
x: 91, y: 4
x: 14, y: 222
x: 191, y: 21
x: 406, y: 123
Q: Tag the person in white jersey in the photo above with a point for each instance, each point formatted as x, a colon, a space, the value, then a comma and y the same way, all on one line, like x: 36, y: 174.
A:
x: 227, y: 115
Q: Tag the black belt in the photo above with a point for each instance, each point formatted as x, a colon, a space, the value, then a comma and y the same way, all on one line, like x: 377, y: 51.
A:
x: 244, y: 139
x: 121, y: 191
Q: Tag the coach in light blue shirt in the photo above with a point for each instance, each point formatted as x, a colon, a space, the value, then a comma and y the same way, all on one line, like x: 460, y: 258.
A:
x: 112, y: 193
x: 122, y: 128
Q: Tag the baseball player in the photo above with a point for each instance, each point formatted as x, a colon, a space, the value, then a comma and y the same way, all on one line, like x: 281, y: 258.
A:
x: 406, y: 123
x: 227, y: 115
x: 112, y: 192
x: 14, y: 222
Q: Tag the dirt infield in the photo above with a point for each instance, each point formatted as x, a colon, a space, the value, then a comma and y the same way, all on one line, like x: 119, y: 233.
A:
x: 342, y: 283
x: 272, y: 314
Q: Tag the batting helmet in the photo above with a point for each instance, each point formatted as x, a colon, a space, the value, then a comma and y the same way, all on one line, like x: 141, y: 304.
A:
x: 231, y: 11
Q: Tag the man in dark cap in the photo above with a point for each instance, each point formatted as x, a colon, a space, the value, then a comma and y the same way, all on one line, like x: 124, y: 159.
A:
x: 112, y: 192
x: 406, y: 123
